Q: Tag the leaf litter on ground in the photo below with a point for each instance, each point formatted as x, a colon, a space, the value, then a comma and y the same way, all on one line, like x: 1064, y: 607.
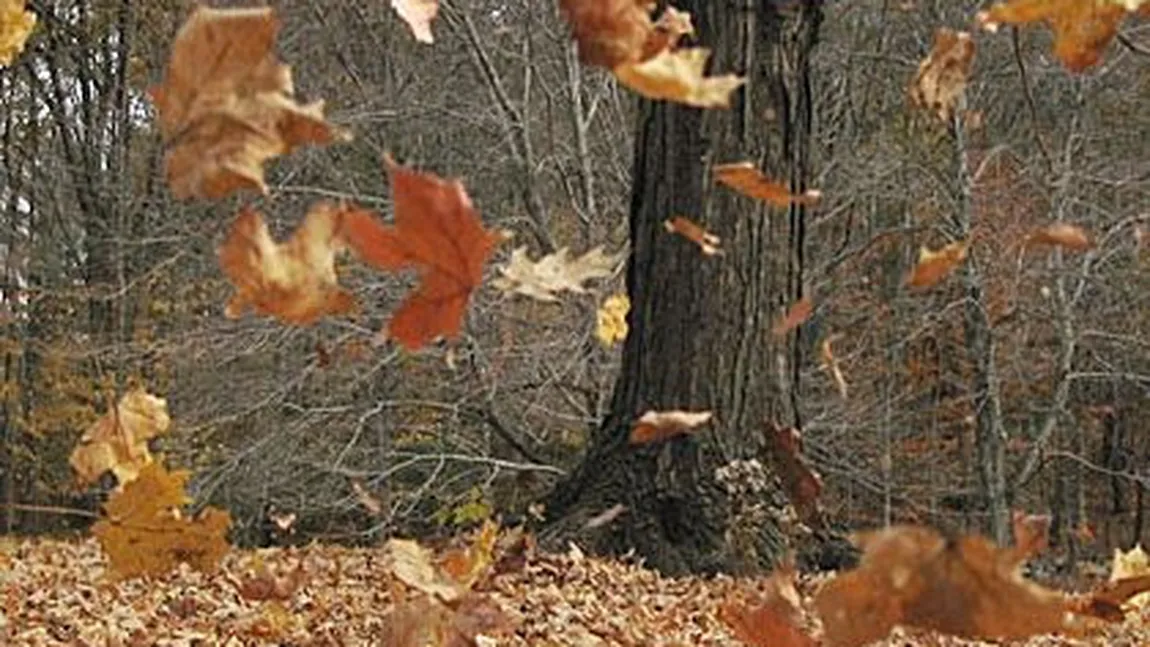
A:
x: 58, y: 593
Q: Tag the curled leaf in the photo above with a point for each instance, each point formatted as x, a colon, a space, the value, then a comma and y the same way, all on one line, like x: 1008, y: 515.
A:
x: 933, y: 267
x: 611, y: 320
x: 941, y: 77
x: 1060, y: 234
x: 831, y: 365
x: 118, y: 441
x: 706, y: 241
x: 294, y: 281
x: 745, y: 178
x: 656, y: 426
x: 225, y: 106
x: 798, y: 313
x: 679, y: 76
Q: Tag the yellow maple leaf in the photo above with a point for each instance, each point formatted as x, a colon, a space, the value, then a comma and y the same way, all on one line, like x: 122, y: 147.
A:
x: 144, y: 532
x: 611, y: 320
x: 678, y: 75
x: 16, y: 26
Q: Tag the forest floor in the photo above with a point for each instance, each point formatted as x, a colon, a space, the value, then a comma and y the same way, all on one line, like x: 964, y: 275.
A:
x: 60, y: 593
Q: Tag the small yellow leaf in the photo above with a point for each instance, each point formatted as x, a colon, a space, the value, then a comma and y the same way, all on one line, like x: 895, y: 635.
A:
x: 611, y: 325
x: 16, y: 26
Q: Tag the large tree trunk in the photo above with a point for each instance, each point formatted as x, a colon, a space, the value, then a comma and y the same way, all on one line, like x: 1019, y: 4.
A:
x: 701, y: 326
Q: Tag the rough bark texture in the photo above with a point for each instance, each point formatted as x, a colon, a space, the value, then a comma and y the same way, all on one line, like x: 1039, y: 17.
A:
x: 700, y: 326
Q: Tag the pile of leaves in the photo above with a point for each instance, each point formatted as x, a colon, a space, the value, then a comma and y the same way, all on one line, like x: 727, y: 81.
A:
x: 496, y: 588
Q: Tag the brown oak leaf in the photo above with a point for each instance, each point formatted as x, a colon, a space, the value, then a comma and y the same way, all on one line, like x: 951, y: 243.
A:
x: 294, y: 281
x: 933, y: 267
x: 1064, y: 235
x: 706, y: 241
x: 226, y: 107
x: 655, y: 426
x: 798, y: 313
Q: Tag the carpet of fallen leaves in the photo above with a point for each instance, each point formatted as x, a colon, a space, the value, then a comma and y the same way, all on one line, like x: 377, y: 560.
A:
x: 60, y: 593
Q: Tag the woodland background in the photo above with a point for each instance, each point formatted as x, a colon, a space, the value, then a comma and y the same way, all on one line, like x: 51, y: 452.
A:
x: 108, y: 282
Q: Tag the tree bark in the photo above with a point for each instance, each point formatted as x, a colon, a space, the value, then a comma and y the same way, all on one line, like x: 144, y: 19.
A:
x: 701, y: 325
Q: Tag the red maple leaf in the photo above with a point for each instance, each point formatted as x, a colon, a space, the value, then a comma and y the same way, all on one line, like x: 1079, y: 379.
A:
x: 438, y: 232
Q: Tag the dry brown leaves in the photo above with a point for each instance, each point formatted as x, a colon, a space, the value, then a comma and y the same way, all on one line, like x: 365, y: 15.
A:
x: 941, y: 77
x: 118, y: 441
x: 707, y: 242
x: 657, y: 426
x: 644, y: 54
x: 800, y: 481
x: 1082, y: 28
x: 143, y: 530
x: 747, y: 179
x: 1060, y: 234
x: 771, y: 620
x: 556, y: 272
x: 294, y: 281
x: 56, y: 593
x: 933, y: 267
x: 226, y: 107
x: 798, y: 313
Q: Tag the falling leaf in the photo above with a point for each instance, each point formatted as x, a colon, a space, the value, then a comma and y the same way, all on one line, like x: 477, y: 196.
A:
x: 609, y: 33
x: 294, y: 282
x: 606, y: 517
x: 706, y: 241
x: 611, y: 320
x: 796, y: 315
x: 1060, y: 234
x: 678, y: 76
x: 1031, y: 535
x: 831, y: 365
x: 1133, y: 563
x: 553, y: 273
x: 1111, y: 601
x: 16, y: 26
x: 801, y: 482
x: 284, y: 523
x: 656, y: 426
x: 1082, y: 28
x: 418, y: 15
x: 143, y: 532
x: 941, y: 77
x: 436, y: 230
x: 933, y: 267
x: 118, y: 441
x: 225, y: 106
x: 772, y: 620
x: 369, y: 501
x: 745, y: 178
x: 670, y: 27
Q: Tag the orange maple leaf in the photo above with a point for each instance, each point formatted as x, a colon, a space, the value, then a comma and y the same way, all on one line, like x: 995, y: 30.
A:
x: 1082, y: 28
x: 933, y: 267
x: 438, y: 231
x: 294, y: 281
x: 746, y: 179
